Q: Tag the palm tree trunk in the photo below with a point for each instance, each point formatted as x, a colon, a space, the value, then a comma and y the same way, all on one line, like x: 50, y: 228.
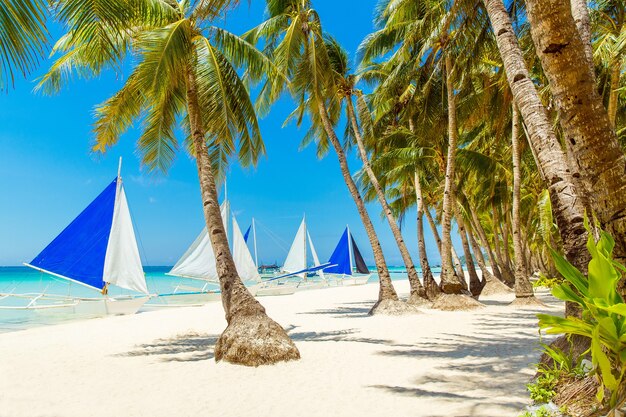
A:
x: 586, y: 124
x: 480, y: 259
x: 523, y: 287
x: 449, y: 281
x: 251, y: 337
x: 568, y: 209
x: 474, y: 282
x: 505, y: 270
x: 580, y: 13
x: 386, y: 292
x: 613, y: 94
x: 454, y: 258
x: 418, y: 293
x: 432, y: 289
x: 478, y: 227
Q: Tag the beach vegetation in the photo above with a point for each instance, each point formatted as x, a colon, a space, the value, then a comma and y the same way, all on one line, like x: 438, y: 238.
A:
x: 184, y: 73
x: 602, y: 319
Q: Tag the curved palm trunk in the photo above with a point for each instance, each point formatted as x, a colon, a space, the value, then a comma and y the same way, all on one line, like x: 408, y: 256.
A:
x: 432, y: 289
x: 523, y: 287
x: 454, y: 260
x: 568, y: 208
x: 480, y: 259
x: 478, y: 227
x: 475, y: 286
x: 450, y: 283
x: 613, y: 94
x: 505, y: 270
x: 251, y: 337
x: 580, y: 13
x: 386, y: 291
x: 586, y: 125
x: 418, y: 293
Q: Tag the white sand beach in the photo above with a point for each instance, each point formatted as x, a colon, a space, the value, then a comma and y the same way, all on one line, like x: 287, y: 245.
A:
x: 161, y: 363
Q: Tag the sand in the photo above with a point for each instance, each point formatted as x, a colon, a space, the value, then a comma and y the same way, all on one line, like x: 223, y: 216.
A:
x: 472, y: 363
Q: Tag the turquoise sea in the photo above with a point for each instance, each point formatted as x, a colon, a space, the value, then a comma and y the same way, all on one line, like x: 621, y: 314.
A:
x: 22, y: 280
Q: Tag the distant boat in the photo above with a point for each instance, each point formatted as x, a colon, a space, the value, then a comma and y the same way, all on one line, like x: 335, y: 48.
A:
x: 97, y: 250
x: 199, y: 263
x: 296, y: 263
x: 347, y: 264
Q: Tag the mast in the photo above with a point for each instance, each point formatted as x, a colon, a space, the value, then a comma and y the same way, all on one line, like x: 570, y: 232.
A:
x: 350, y: 251
x: 256, y: 259
x: 119, y: 169
x: 304, y: 239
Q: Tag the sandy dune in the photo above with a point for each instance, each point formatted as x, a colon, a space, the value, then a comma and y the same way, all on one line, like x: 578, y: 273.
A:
x: 161, y: 363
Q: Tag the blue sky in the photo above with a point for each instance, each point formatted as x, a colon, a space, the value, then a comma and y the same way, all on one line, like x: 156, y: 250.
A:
x: 48, y: 174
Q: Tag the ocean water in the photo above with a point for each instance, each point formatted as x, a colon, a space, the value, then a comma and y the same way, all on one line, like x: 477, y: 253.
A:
x: 24, y: 280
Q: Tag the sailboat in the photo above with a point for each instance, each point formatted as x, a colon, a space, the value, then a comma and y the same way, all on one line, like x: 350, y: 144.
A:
x: 296, y: 262
x: 198, y: 263
x: 347, y: 264
x: 97, y: 250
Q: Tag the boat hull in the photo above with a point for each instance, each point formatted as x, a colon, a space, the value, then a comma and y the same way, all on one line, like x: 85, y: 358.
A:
x: 92, y: 307
x: 349, y: 280
x: 182, y: 300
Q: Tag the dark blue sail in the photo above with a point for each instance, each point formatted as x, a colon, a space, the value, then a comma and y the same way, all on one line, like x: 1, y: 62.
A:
x: 340, y: 259
x: 245, y: 236
x: 78, y: 252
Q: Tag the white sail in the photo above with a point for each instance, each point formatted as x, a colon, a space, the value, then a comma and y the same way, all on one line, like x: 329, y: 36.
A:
x: 296, y: 258
x: 122, y: 264
x: 316, y: 260
x: 246, y: 268
x: 198, y: 261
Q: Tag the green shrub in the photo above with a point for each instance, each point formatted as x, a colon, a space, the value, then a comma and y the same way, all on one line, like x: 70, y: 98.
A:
x: 603, y: 313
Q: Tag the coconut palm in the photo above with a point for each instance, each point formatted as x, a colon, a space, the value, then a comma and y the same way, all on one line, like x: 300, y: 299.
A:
x: 346, y: 84
x: 587, y: 128
x: 552, y: 162
x: 295, y: 41
x: 183, y: 68
x: 23, y: 38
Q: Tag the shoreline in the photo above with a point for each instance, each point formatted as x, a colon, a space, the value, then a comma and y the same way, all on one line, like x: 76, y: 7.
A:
x: 161, y: 363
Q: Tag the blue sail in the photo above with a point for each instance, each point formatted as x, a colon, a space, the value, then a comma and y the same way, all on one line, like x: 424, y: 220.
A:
x: 340, y: 259
x: 78, y: 252
x: 245, y: 236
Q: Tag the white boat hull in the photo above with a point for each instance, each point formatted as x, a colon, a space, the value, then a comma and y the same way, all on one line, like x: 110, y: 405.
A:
x: 268, y: 290
x: 349, y: 280
x: 183, y: 300
x: 93, y: 307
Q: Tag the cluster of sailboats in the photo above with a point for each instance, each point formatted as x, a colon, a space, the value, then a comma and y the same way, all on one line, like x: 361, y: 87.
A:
x: 98, y: 250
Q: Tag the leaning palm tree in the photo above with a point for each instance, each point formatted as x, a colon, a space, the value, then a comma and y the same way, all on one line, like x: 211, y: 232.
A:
x: 184, y: 68
x: 346, y: 83
x: 23, y: 38
x: 294, y: 39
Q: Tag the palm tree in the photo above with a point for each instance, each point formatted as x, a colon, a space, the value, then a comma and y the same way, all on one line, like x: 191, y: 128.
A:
x: 586, y: 125
x: 523, y: 287
x: 346, y: 84
x: 295, y: 42
x: 23, y: 38
x: 568, y: 208
x: 183, y: 67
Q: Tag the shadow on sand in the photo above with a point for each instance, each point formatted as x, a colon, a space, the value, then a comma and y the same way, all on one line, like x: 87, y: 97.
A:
x: 190, y: 347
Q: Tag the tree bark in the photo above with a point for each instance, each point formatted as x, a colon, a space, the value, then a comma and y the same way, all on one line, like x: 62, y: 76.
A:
x: 478, y: 227
x: 580, y: 13
x: 450, y: 283
x: 386, y: 289
x: 614, y: 94
x: 418, y: 293
x: 454, y: 258
x: 523, y: 287
x: 251, y: 337
x: 586, y: 125
x: 480, y: 259
x: 432, y: 289
x: 475, y: 286
x: 568, y: 208
x: 505, y: 270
